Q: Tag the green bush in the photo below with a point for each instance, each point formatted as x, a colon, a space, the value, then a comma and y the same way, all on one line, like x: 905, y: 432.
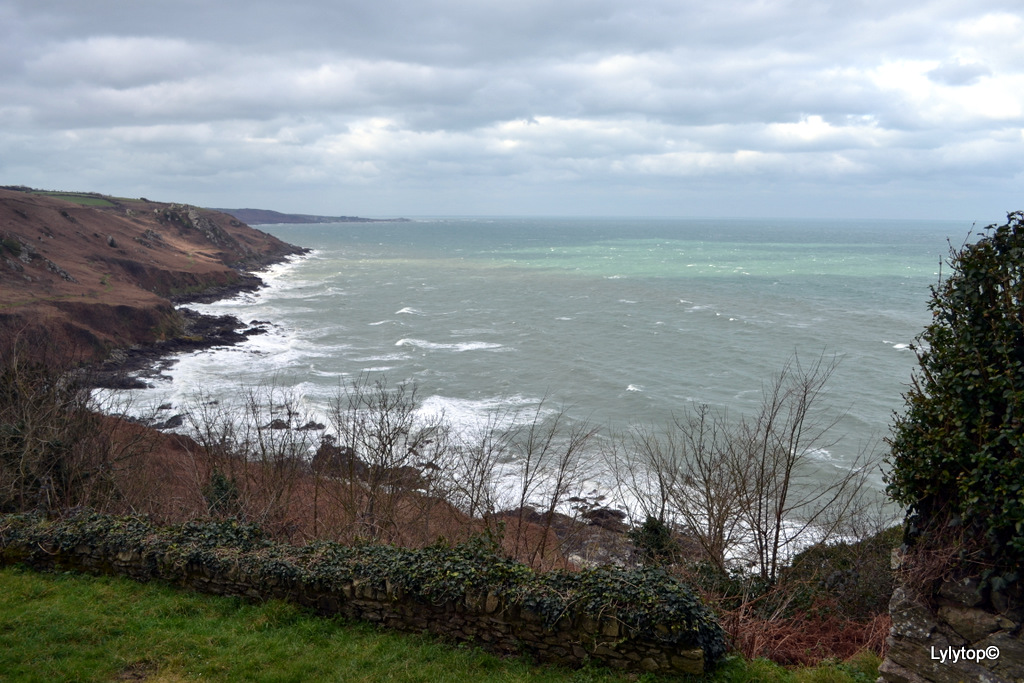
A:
x: 653, y: 539
x: 958, y: 451
x: 856, y: 577
x: 12, y: 245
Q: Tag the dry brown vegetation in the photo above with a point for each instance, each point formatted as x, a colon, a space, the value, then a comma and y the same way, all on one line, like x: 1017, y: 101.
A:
x: 379, y: 473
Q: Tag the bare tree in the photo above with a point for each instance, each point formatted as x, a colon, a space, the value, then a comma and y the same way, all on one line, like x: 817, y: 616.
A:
x: 548, y: 469
x: 750, y: 489
x: 681, y: 477
x: 784, y: 502
x: 382, y: 449
x: 56, y: 448
x: 254, y: 450
x: 473, y: 466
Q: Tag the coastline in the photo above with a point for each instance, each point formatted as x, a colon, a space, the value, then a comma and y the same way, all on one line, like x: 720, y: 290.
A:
x: 133, y: 366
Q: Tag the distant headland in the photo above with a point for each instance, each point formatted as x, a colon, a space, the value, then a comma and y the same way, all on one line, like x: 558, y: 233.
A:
x: 267, y: 217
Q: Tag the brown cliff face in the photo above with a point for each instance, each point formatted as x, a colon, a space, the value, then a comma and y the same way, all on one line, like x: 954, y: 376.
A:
x: 87, y: 273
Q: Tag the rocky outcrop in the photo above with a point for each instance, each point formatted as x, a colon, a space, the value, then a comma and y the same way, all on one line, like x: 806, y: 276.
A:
x: 964, y: 633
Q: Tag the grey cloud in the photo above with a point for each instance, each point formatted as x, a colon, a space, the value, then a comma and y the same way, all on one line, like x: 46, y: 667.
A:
x: 959, y: 73
x: 107, y: 61
x: 430, y: 96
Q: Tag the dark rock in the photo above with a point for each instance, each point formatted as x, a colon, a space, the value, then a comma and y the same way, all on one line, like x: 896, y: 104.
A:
x: 337, y: 461
x: 171, y: 423
x: 607, y: 518
x: 965, y: 592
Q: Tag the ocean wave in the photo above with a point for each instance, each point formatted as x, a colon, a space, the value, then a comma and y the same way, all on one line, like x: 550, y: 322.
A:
x: 432, y: 346
x: 409, y: 311
x: 469, y: 416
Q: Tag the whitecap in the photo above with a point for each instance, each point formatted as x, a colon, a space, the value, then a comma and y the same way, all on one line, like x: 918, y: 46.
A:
x: 433, y: 346
x: 471, y: 415
x: 409, y: 310
x: 821, y: 454
x: 634, y: 387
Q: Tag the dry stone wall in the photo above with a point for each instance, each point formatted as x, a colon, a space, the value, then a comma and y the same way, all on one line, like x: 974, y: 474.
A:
x: 499, y: 614
x: 963, y: 634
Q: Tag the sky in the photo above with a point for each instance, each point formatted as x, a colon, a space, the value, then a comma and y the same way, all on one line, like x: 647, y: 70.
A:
x: 691, y: 108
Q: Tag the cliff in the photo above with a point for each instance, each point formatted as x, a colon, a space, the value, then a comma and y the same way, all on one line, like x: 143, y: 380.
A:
x: 89, y: 273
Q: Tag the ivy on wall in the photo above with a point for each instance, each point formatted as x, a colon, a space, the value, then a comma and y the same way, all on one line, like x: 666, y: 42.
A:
x: 647, y: 602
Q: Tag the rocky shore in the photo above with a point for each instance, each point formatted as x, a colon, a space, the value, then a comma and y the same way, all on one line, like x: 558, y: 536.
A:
x: 131, y: 367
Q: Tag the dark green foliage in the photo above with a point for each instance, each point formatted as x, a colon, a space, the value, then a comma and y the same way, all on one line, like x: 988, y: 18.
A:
x: 12, y: 245
x: 958, y: 451
x: 654, y: 540
x: 648, y: 601
x: 221, y: 494
x: 856, y: 578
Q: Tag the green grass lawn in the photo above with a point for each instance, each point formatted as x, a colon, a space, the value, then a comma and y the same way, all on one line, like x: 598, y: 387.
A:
x: 83, y: 199
x: 73, y: 627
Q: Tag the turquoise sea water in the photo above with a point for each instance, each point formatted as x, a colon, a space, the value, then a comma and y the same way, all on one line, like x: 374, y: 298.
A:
x: 620, y: 320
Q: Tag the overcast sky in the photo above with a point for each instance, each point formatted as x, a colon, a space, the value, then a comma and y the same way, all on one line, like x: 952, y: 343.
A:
x: 785, y: 108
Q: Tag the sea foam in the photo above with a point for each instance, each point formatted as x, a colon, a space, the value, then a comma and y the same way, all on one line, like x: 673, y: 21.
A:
x: 433, y: 346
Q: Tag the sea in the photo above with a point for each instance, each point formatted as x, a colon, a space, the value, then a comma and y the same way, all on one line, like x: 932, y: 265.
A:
x: 620, y: 322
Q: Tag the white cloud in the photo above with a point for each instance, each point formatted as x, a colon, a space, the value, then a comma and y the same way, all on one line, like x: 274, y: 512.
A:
x: 586, y: 102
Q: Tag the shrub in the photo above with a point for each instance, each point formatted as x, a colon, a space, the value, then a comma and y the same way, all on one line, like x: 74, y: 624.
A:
x: 653, y: 539
x: 958, y: 451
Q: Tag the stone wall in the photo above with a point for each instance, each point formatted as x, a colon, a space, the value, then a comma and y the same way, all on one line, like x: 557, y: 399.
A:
x: 488, y: 618
x: 962, y: 634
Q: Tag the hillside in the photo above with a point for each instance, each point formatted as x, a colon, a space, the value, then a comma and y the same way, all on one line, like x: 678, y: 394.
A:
x: 89, y: 273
